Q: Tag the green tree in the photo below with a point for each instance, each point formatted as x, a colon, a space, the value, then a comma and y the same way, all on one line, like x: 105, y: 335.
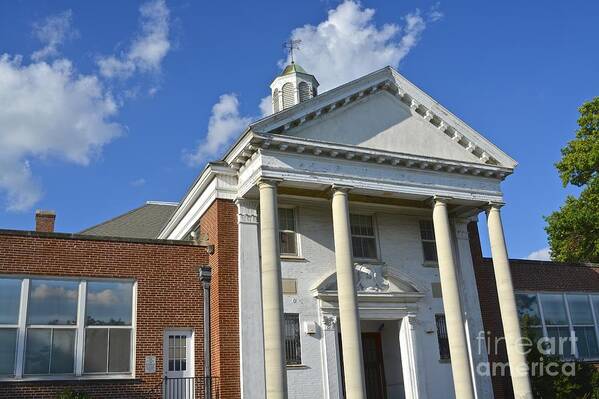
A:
x: 573, y: 230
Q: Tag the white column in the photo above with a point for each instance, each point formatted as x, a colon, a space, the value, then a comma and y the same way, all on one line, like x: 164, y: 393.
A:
x: 351, y: 340
x: 458, y: 347
x: 330, y: 357
x: 272, y: 293
x: 507, y: 306
x: 413, y: 374
x: 250, y: 302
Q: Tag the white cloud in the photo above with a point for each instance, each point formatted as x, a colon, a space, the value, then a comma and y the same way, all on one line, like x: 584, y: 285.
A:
x: 45, y: 291
x: 541, y: 254
x: 52, y: 32
x: 349, y: 44
x: 149, y: 47
x: 104, y: 297
x: 138, y: 182
x: 225, y: 124
x: 48, y: 110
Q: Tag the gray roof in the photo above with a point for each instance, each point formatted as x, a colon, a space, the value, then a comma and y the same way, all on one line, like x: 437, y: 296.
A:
x: 144, y: 222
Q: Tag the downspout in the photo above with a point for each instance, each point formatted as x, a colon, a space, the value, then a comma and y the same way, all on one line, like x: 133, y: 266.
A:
x: 205, y: 277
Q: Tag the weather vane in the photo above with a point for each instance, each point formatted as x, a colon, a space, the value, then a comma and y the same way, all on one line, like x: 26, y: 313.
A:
x: 291, y: 45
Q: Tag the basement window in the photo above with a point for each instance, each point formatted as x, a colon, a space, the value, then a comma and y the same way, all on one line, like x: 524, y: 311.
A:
x: 293, y: 348
x: 442, y: 337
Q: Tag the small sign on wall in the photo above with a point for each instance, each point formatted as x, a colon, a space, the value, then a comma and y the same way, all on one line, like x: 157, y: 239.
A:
x: 150, y: 364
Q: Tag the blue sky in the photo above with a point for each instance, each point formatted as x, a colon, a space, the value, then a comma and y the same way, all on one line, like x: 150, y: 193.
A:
x: 104, y: 105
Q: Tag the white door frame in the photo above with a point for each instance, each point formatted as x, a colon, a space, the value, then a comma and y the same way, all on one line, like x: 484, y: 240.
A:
x: 189, y: 349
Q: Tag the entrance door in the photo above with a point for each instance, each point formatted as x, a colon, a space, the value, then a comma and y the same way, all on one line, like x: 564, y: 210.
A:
x: 179, y: 381
x: 374, y: 370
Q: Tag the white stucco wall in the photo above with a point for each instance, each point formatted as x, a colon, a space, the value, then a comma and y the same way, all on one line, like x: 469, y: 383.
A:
x: 400, y: 247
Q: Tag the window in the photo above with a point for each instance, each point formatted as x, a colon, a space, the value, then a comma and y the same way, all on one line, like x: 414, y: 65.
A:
x: 70, y: 327
x: 442, y: 337
x: 561, y: 317
x: 10, y: 297
x: 51, y: 327
x: 427, y: 236
x: 287, y: 234
x: 108, y: 327
x: 363, y: 238
x: 293, y: 349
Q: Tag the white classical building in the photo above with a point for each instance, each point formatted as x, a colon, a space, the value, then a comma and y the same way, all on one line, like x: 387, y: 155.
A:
x: 355, y: 273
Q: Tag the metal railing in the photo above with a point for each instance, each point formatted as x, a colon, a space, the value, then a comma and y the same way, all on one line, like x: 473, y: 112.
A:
x: 190, y: 388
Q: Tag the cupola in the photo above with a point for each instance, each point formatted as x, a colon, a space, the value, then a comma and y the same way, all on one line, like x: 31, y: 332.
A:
x: 293, y: 86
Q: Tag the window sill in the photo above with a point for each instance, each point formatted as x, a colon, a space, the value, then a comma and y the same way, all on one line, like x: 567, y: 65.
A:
x: 445, y: 361
x: 297, y: 366
x: 67, y: 378
x: 367, y: 260
x: 293, y: 258
x: 430, y: 263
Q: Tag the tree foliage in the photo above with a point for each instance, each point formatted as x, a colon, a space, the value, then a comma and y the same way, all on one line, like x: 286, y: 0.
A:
x: 574, y: 229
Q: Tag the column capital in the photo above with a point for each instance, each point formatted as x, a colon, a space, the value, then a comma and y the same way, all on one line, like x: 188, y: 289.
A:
x: 341, y: 188
x: 247, y: 210
x: 438, y: 200
x: 268, y: 181
x: 493, y: 205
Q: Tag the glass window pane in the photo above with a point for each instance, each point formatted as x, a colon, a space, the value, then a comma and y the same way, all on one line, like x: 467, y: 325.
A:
x: 37, y: 351
x: 426, y: 230
x: 109, y: 303
x: 288, y: 241
x: 10, y: 299
x: 120, y: 350
x: 561, y: 341
x: 554, y: 309
x: 580, y: 309
x: 528, y: 309
x: 96, y: 343
x: 8, y: 343
x: 53, y: 302
x: 586, y: 342
x: 286, y: 219
x: 63, y: 351
x: 430, y: 251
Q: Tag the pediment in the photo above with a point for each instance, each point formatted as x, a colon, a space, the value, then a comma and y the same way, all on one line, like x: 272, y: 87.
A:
x: 373, y: 282
x: 383, y: 122
x: 384, y: 111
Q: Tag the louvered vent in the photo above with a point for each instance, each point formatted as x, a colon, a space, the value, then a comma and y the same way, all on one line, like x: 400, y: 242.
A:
x: 288, y: 95
x: 304, y: 91
x: 275, y: 100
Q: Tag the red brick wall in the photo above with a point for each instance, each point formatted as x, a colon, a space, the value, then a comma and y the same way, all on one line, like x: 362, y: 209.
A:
x: 527, y: 275
x: 219, y: 223
x: 168, y: 295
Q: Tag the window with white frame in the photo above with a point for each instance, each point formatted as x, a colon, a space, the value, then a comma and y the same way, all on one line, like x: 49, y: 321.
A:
x: 363, y: 236
x: 64, y: 327
x: 561, y: 317
x: 10, y: 298
x: 427, y: 237
x: 287, y: 232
